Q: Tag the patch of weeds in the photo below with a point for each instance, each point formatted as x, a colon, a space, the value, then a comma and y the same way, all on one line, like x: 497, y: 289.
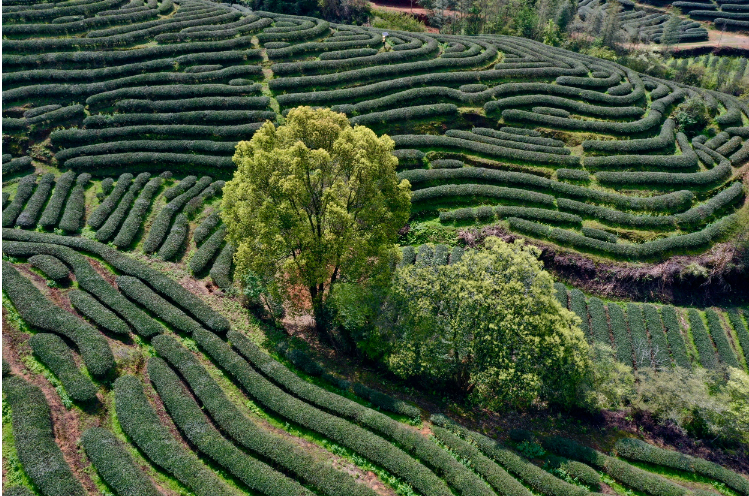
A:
x: 531, y: 450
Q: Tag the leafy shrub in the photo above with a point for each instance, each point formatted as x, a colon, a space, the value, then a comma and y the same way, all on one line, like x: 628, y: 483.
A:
x: 640, y: 343
x: 580, y: 307
x: 50, y: 266
x: 143, y: 427
x: 89, y: 307
x: 741, y: 331
x: 622, y: 338
x: 112, y: 225
x: 573, y: 175
x: 702, y: 340
x: 33, y: 208
x: 667, y: 179
x: 102, y: 212
x: 491, y: 140
x: 583, y: 473
x: 692, y: 116
x: 560, y: 291
x: 720, y: 339
x: 675, y: 339
x: 658, y: 338
x: 115, y: 465
x: 41, y: 313
x: 54, y: 207
x: 207, y: 251
x: 221, y: 271
x: 137, y: 214
x: 405, y: 113
x: 206, y: 227
x: 15, y: 165
x: 188, y: 417
x: 598, y: 321
x: 176, y: 238
x: 24, y: 191
x: 664, y: 139
x: 592, y: 232
x: 55, y: 354
x: 75, y: 209
x: 35, y: 444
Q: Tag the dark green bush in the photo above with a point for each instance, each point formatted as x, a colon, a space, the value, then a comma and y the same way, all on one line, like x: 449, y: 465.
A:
x: 583, y: 473
x: 102, y: 212
x: 640, y: 343
x: 146, y: 298
x: 34, y: 206
x: 115, y: 465
x: 15, y: 165
x: 622, y: 338
x: 41, y: 313
x: 741, y: 331
x: 667, y: 179
x: 112, y: 225
x: 75, y: 210
x: 580, y: 307
x: 675, y: 339
x: 592, y: 232
x: 137, y: 214
x: 55, y: 354
x: 560, y: 291
x: 405, y: 114
x: 17, y: 491
x: 491, y: 140
x: 206, y: 227
x: 24, y: 191
x: 599, y: 324
x: 725, y: 352
x: 141, y: 424
x: 34, y: 438
x: 221, y: 271
x: 285, y: 453
x: 447, y: 191
x: 702, y: 340
x: 89, y: 307
x: 176, y: 238
x: 50, y: 266
x: 54, y: 207
x: 664, y: 139
x: 207, y: 252
x: 658, y: 339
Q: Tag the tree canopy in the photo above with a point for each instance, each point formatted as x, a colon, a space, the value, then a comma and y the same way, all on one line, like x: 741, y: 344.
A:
x: 489, y: 324
x: 313, y: 202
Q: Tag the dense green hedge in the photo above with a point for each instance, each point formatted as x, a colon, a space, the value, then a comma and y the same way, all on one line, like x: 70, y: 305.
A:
x: 640, y: 343
x: 112, y: 225
x: 637, y: 450
x: 687, y: 159
x: 558, y: 101
x: 599, y: 325
x: 16, y: 165
x: 164, y: 146
x: 675, y: 339
x: 702, y: 340
x: 715, y: 327
x: 137, y: 214
x: 206, y: 227
x: 17, y: 491
x: 583, y: 473
x: 89, y: 307
x: 657, y: 335
x: 176, y: 238
x: 186, y: 183
x: 447, y: 191
x: 115, y: 465
x: 664, y: 139
x: 89, y: 280
x: 23, y: 192
x: 579, y: 305
x: 141, y: 424
x: 187, y: 104
x: 505, y: 134
x: 387, y: 402
x: 453, y: 472
x: 405, y: 113
x: 281, y: 451
x: 50, y: 266
x: 221, y: 271
x: 592, y: 232
x: 75, y: 210
x: 99, y: 216
x: 146, y: 298
x: 495, y: 475
x: 55, y: 354
x: 191, y: 421
x: 741, y: 156
x: 533, y: 476
x: 41, y: 313
x: 207, y: 252
x: 34, y: 438
x: 622, y: 338
x: 203, y: 117
x: 161, y: 161
x: 54, y: 207
x: 484, y: 138
x: 162, y: 222
x: 741, y: 331
x: 34, y: 206
x: 667, y: 179
x: 195, y: 205
x: 560, y: 291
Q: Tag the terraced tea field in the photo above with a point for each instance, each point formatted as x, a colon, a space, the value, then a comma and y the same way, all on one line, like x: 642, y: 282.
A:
x: 129, y: 367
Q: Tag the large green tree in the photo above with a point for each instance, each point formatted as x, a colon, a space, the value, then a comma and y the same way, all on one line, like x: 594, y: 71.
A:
x: 314, y: 202
x: 488, y: 324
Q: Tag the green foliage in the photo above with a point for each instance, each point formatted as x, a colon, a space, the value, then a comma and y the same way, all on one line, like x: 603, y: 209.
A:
x: 114, y: 464
x: 33, y: 207
x: 34, y: 439
x: 692, y: 116
x: 24, y: 191
x: 88, y: 306
x: 112, y: 225
x: 702, y: 341
x: 383, y: 19
x: 727, y: 356
x: 295, y: 239
x: 55, y: 355
x: 511, y: 364
x: 50, y: 266
x: 175, y: 240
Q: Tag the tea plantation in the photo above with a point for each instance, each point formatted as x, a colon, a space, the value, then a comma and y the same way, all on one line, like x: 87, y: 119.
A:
x: 127, y: 369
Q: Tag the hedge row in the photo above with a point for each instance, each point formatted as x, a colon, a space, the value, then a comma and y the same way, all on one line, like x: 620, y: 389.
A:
x: 675, y: 339
x: 495, y: 475
x: 640, y: 343
x: 172, y: 92
x: 702, y: 341
x: 141, y: 424
x: 115, y: 465
x: 207, y: 252
x: 186, y: 183
x: 483, y: 138
x: 111, y: 227
x: 730, y: 146
x: 206, y: 227
x: 34, y: 206
x: 512, y: 136
x: 54, y: 207
x: 599, y: 325
x: 583, y: 473
x: 282, y: 452
x: 482, y: 214
x: 221, y: 271
x: 87, y: 278
x: 457, y: 475
x: 429, y: 141
x: 664, y: 139
x: 319, y: 28
x: 99, y: 216
x: 533, y: 476
x: 40, y: 456
x: 688, y: 159
x: 56, y: 356
x: 41, y: 313
x: 23, y: 192
x: 658, y: 338
x: 725, y: 352
x: 620, y: 470
x: 571, y: 105
x: 90, y: 307
x: 137, y: 214
x: 190, y: 419
x: 188, y: 104
x: 592, y: 232
x: 16, y: 165
x: 161, y: 224
x: 202, y: 117
x: 667, y: 179
x: 481, y: 191
x: 171, y: 146
x: 337, y: 429
x: 195, y: 205
x: 405, y: 113
x: 163, y: 160
x: 634, y: 449
x: 147, y: 298
x: 50, y: 266
x: 741, y: 331
x: 75, y: 210
x: 17, y: 491
x: 580, y: 307
x: 176, y: 238
x: 560, y: 291
x: 446, y: 164
x: 42, y: 14
x: 622, y: 339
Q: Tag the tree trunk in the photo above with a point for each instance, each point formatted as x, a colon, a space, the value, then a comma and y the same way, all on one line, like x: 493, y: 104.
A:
x: 320, y: 313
